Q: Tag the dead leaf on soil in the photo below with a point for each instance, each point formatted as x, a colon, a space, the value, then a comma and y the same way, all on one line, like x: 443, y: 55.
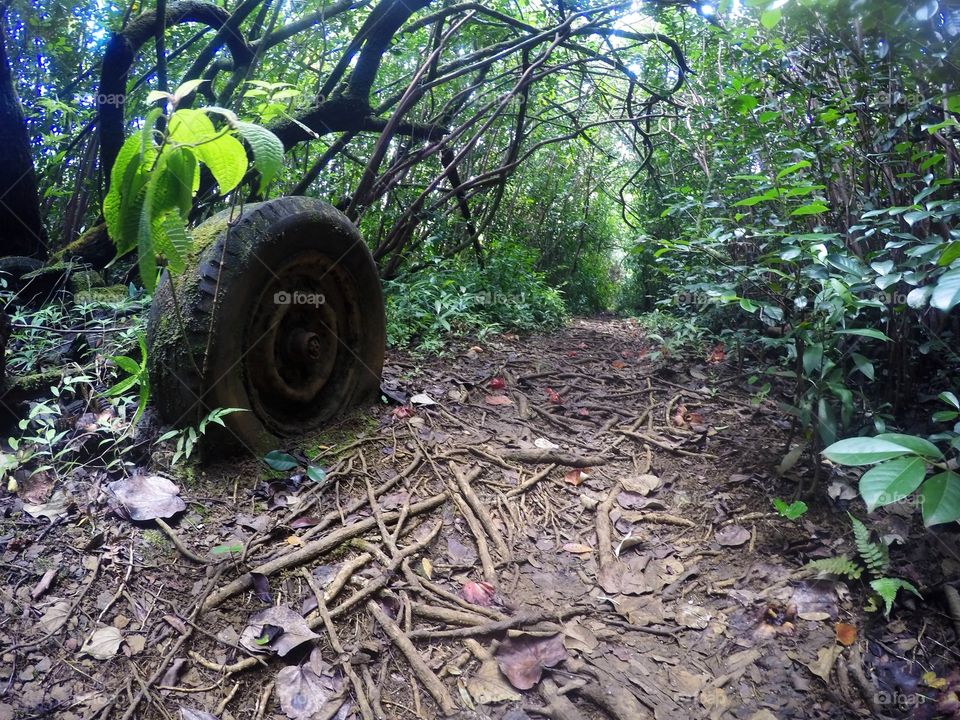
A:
x: 544, y: 444
x: 715, y: 701
x: 641, y: 611
x: 685, y: 683
x: 497, y: 383
x: 103, y: 643
x: 55, y: 616
x: 146, y: 497
x: 826, y: 658
x: 422, y: 399
x: 574, y: 476
x: 693, y: 616
x: 497, y: 400
x: 579, y: 638
x: 478, y: 593
x: 41, y: 587
x: 642, y: 484
x: 36, y: 489
x: 191, y: 714
x: 488, y: 685
x: 293, y: 631
x: 846, y: 633
x: 459, y: 553
x: 306, y: 690
x: 553, y: 397
x: 523, y: 658
x: 55, y: 507
x: 732, y: 536
x: 578, y: 548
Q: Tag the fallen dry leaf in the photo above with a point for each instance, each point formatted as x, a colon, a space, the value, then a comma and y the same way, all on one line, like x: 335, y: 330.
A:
x: 427, y: 568
x: 579, y: 638
x: 478, y: 593
x: 191, y: 714
x: 573, y: 476
x: 717, y: 355
x: 497, y: 383
x: 103, y: 643
x: 146, y: 497
x: 523, y: 658
x: 578, y: 548
x: 732, y: 536
x: 293, y: 631
x: 846, y: 633
x: 308, y: 690
x: 497, y: 400
x: 826, y: 657
x: 488, y: 685
x: 553, y: 397
x: 642, y: 484
x: 618, y: 364
x: 402, y: 412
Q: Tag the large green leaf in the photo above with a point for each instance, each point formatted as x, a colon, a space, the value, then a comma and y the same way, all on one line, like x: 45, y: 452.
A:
x: 864, y: 451
x: 946, y: 295
x: 267, y: 151
x: 864, y: 332
x: 941, y: 498
x: 226, y: 159
x: 891, y: 481
x: 918, y: 445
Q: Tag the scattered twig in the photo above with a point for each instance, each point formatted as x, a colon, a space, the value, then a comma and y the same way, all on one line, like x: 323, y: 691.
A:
x: 178, y: 543
x: 557, y: 457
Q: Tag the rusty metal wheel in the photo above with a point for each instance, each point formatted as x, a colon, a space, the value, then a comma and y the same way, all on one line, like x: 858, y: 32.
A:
x: 281, y: 313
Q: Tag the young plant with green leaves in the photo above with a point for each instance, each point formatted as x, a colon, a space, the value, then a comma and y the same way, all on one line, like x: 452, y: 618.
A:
x: 157, y: 172
x: 904, y: 464
x: 875, y: 560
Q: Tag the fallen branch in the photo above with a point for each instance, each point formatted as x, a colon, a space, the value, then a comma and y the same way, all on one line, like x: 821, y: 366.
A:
x: 424, y: 674
x: 525, y: 618
x: 664, y: 446
x: 314, y: 549
x: 555, y: 456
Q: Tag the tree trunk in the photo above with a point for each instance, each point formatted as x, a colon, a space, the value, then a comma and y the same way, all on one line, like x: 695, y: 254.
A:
x: 21, y: 227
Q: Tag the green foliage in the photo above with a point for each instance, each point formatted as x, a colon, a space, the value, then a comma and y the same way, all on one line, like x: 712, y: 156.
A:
x: 901, y: 462
x: 791, y: 511
x: 157, y: 171
x: 874, y: 555
x: 887, y: 589
x: 428, y: 308
x: 840, y: 565
x: 137, y: 377
x: 188, y: 438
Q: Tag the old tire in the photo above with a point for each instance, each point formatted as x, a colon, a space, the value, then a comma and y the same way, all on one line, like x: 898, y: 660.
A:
x: 280, y: 313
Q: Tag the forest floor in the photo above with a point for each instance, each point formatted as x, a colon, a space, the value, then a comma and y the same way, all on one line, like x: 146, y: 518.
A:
x: 548, y: 526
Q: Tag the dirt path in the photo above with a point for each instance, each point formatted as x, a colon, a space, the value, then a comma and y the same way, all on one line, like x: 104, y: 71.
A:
x: 596, y: 526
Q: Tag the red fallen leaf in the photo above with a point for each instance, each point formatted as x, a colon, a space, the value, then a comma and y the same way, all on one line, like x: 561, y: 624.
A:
x: 553, y: 397
x: 402, y: 412
x: 573, y: 476
x: 478, y: 593
x: 522, y: 659
x: 846, y: 634
x: 694, y: 418
x: 626, y: 354
x: 717, y: 355
x: 679, y: 416
x: 497, y: 400
x: 497, y: 383
x: 571, y: 353
x: 642, y: 353
x: 583, y: 412
x: 304, y: 521
x: 618, y: 364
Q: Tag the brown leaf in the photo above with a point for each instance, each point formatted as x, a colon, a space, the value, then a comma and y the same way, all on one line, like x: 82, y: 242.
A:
x: 303, y: 692
x: 487, y: 685
x: 294, y: 628
x: 846, y: 634
x: 732, y: 536
x: 497, y: 400
x: 523, y: 658
x: 573, y: 476
x: 146, y: 497
x: 578, y: 548
x: 553, y: 397
x: 191, y: 714
x: 618, y: 364
x: 41, y: 587
x: 642, y: 484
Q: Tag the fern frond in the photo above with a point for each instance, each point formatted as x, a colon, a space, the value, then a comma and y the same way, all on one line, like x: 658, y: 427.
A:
x: 887, y: 589
x: 840, y: 565
x: 874, y: 555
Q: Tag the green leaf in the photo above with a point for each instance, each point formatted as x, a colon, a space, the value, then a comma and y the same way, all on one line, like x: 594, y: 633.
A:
x: 946, y: 295
x: 864, y: 332
x: 811, y: 209
x: 864, y: 365
x: 914, y: 216
x: 941, y: 498
x: 813, y: 358
x: 155, y: 95
x: 887, y: 589
x: 223, y: 549
x: 318, y: 475
x: 863, y: 451
x: 267, y: 151
x: 793, y: 168
x: 950, y: 253
x: 770, y: 18
x: 917, y: 445
x: 188, y: 87
x: 226, y: 159
x: 950, y: 399
x: 280, y: 461
x: 892, y: 481
x: 792, y: 511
